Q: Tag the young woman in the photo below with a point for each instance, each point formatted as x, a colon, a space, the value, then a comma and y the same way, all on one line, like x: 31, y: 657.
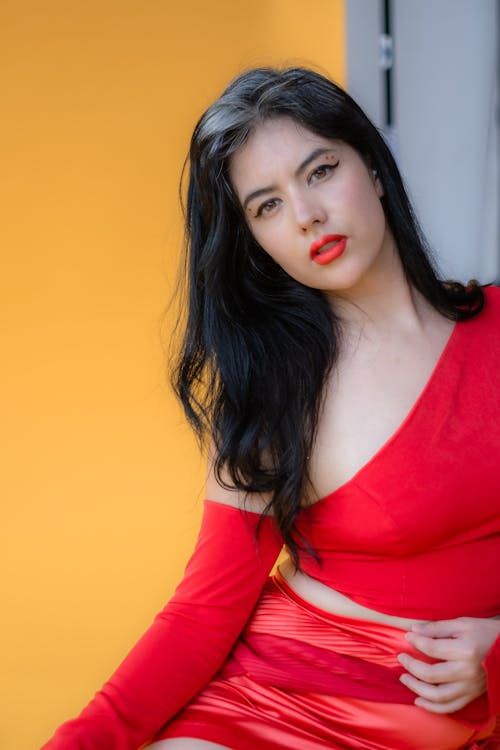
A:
x: 352, y: 403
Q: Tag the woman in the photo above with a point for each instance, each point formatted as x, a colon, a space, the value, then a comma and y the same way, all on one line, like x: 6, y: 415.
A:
x: 344, y: 388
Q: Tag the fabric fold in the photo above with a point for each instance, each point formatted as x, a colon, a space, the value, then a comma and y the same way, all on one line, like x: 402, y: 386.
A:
x: 300, y: 677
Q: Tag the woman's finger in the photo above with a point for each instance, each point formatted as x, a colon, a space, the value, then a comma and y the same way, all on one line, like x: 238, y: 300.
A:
x: 442, y: 708
x: 444, y: 649
x: 441, y: 628
x: 434, y: 674
x: 434, y: 693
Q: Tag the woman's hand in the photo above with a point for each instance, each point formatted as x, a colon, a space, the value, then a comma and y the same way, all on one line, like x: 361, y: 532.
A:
x: 458, y: 677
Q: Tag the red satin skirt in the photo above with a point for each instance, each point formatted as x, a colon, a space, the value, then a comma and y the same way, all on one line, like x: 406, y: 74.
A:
x: 300, y: 677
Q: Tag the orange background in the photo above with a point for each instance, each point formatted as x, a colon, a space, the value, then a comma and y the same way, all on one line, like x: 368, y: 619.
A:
x: 101, y: 480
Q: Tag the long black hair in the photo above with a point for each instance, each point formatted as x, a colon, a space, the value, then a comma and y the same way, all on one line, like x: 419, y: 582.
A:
x: 258, y: 345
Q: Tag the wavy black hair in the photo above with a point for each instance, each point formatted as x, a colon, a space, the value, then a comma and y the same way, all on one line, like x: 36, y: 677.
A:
x: 258, y: 345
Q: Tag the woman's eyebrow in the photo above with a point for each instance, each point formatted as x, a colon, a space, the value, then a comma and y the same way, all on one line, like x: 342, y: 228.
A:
x: 312, y: 156
x: 303, y: 165
x: 256, y: 193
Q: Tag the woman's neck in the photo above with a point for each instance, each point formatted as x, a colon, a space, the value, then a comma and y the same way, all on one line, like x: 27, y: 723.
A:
x: 384, y: 304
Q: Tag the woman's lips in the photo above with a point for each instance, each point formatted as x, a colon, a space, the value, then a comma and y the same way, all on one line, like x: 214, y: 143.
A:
x: 327, y: 248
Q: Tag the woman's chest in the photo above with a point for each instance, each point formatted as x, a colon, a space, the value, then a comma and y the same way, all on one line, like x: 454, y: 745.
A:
x: 421, y: 469
x: 369, y: 397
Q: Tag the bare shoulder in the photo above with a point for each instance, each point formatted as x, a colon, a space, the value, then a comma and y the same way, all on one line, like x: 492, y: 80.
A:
x: 223, y: 491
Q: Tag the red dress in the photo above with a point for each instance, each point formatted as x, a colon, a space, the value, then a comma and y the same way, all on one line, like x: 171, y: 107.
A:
x: 241, y: 660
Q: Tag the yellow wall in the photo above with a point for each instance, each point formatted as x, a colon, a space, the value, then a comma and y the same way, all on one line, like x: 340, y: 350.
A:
x: 100, y: 479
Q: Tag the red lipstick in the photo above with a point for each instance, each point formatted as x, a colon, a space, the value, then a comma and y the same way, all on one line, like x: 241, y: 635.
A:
x: 327, y: 248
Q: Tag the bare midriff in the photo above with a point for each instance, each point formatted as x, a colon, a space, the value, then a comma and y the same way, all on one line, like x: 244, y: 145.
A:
x: 326, y: 598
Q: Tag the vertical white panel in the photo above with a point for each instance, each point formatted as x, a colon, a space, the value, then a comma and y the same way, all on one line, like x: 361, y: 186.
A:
x: 445, y: 98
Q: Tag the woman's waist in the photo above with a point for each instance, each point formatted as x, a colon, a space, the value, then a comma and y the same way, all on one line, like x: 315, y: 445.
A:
x: 437, y: 584
x: 331, y: 601
x: 292, y: 644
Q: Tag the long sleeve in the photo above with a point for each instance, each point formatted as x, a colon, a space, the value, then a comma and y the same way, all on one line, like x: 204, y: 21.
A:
x: 188, y: 640
x: 491, y: 665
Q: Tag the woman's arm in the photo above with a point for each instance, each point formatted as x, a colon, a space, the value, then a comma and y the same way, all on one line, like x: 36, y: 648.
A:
x: 468, y: 650
x: 188, y: 640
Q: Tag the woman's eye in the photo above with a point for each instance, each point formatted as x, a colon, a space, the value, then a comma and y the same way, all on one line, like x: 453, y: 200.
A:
x: 267, y: 207
x: 322, y: 171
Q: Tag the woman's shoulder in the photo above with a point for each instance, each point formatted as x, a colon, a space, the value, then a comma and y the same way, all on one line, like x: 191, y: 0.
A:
x: 219, y: 488
x: 483, y: 328
x: 492, y: 295
x: 490, y: 314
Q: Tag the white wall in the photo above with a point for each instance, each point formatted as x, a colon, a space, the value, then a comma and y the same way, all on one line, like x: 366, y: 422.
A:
x: 445, y: 105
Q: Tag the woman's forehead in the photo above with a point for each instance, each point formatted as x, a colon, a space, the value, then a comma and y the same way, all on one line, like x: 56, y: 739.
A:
x: 278, y: 143
x: 284, y: 132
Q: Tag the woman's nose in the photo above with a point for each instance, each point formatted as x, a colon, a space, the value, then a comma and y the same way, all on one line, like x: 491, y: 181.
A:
x: 308, y: 212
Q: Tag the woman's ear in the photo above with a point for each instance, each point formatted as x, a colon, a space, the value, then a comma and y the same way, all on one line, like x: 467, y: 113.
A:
x: 377, y: 183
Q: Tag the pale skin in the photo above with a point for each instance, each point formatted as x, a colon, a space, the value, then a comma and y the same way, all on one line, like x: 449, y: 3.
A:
x: 294, y: 187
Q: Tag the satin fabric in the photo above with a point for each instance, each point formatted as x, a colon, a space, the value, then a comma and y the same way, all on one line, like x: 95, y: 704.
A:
x: 300, y: 677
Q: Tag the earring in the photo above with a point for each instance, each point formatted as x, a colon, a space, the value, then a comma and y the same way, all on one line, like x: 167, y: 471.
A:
x: 374, y: 172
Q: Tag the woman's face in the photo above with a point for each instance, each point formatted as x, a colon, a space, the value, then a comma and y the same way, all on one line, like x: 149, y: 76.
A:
x: 314, y: 205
